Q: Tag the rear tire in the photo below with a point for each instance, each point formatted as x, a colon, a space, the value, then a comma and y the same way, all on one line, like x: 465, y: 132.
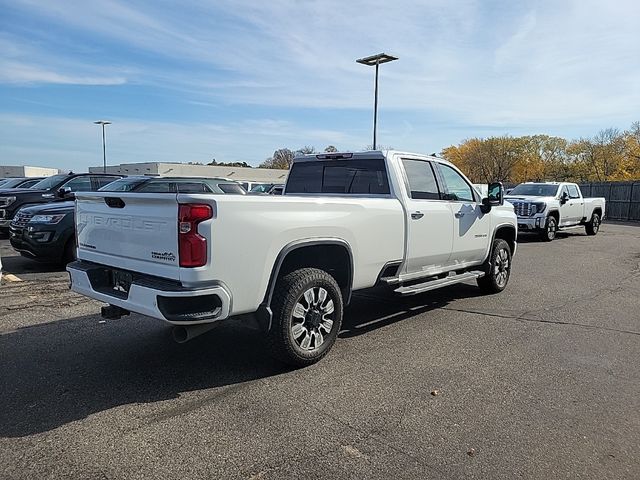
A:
x: 548, y: 233
x: 307, y: 316
x: 593, y: 225
x: 497, y: 268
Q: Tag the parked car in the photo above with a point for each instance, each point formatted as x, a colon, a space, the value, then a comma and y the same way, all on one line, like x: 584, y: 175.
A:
x: 50, y: 189
x: 346, y: 221
x: 46, y: 233
x: 20, y: 182
x: 545, y: 208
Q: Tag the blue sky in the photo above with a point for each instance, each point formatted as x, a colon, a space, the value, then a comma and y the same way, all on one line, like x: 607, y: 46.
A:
x: 235, y: 80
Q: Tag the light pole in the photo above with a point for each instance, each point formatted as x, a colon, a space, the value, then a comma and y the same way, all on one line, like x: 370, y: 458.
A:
x: 376, y: 60
x: 104, y: 146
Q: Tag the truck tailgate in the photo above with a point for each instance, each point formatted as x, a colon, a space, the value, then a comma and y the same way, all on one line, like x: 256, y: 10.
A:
x: 134, y: 231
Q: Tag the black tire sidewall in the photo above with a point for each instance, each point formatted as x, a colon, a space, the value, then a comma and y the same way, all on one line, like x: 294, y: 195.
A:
x: 591, y: 227
x: 289, y: 289
x: 547, y: 229
x: 488, y: 282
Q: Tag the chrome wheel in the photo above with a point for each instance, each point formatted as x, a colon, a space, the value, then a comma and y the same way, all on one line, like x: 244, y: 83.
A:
x: 501, y: 267
x: 551, y: 229
x: 312, y: 318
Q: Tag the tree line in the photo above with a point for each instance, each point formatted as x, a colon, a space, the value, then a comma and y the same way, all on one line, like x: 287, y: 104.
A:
x: 610, y: 155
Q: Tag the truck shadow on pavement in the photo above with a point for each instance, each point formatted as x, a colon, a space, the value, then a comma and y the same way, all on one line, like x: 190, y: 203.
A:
x: 63, y: 371
x: 19, y: 265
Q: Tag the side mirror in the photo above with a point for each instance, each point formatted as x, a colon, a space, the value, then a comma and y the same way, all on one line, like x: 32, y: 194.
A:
x: 495, y: 197
x: 564, y: 198
x: 65, y: 192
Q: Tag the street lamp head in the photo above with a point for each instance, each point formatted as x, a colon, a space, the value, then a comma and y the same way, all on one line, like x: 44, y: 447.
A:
x: 102, y: 122
x: 378, y: 59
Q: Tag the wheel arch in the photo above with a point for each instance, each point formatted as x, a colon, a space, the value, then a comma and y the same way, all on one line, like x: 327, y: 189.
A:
x: 332, y: 255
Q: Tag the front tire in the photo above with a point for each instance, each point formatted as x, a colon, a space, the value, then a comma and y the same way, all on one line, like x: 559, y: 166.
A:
x: 497, y: 268
x: 550, y: 229
x: 593, y: 225
x: 307, y: 316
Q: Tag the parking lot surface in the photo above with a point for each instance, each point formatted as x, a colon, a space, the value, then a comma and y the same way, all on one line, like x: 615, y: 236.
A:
x: 541, y: 381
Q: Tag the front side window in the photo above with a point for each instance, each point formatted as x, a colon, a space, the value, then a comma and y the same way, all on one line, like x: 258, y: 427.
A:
x: 102, y: 181
x: 564, y: 192
x: 422, y: 180
x: 340, y: 177
x: 457, y: 188
x: 573, y: 191
x: 232, y: 188
x: 79, y: 184
x: 157, y: 187
x: 126, y: 184
x: 192, y: 187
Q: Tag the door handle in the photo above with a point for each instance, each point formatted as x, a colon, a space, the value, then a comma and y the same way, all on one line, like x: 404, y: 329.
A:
x: 417, y: 215
x: 459, y: 214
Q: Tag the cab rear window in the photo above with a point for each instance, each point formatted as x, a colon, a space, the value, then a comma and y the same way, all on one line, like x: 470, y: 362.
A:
x: 339, y: 177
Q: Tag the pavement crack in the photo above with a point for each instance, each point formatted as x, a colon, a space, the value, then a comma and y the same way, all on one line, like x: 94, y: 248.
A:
x: 386, y: 443
x: 524, y: 318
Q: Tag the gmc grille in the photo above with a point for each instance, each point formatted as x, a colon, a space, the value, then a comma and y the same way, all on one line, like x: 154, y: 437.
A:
x: 523, y: 209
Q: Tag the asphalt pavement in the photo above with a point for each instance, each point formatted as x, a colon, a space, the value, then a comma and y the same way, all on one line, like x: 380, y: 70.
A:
x: 540, y: 381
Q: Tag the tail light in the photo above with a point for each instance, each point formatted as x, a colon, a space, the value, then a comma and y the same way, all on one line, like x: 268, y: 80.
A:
x: 192, y: 245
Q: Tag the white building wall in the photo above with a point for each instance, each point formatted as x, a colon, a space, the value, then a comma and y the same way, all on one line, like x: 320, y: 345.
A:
x: 13, y: 171
x: 266, y: 175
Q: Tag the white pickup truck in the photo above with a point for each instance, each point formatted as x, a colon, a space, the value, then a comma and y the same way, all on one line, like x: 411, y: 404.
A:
x: 346, y: 222
x: 548, y: 207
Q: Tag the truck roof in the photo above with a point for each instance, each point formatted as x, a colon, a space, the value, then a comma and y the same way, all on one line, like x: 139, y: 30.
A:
x: 364, y: 155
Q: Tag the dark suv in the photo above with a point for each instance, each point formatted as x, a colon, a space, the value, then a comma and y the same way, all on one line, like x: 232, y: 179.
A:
x: 50, y: 189
x: 47, y: 232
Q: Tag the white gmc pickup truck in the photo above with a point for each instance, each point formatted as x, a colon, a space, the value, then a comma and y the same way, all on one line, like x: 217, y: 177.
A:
x: 548, y: 207
x: 346, y: 222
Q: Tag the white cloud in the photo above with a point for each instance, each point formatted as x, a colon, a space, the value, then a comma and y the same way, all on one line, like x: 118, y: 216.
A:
x: 76, y: 143
x: 20, y: 73
x: 482, y: 63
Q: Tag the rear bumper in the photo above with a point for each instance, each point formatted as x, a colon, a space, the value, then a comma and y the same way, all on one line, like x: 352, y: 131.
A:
x: 152, y: 296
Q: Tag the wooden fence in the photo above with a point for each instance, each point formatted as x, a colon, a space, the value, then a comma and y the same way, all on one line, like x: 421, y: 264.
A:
x: 623, y: 198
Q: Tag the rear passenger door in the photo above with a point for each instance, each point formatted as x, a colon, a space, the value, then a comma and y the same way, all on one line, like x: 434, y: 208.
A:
x: 576, y: 205
x: 471, y: 227
x: 429, y: 220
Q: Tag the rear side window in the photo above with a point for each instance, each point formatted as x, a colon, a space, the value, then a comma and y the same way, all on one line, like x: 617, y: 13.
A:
x: 422, y: 180
x: 573, y: 191
x: 341, y: 177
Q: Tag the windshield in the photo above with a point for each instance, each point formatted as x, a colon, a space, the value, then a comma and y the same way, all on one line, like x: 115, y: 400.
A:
x: 49, y: 182
x: 535, y: 190
x: 126, y: 184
